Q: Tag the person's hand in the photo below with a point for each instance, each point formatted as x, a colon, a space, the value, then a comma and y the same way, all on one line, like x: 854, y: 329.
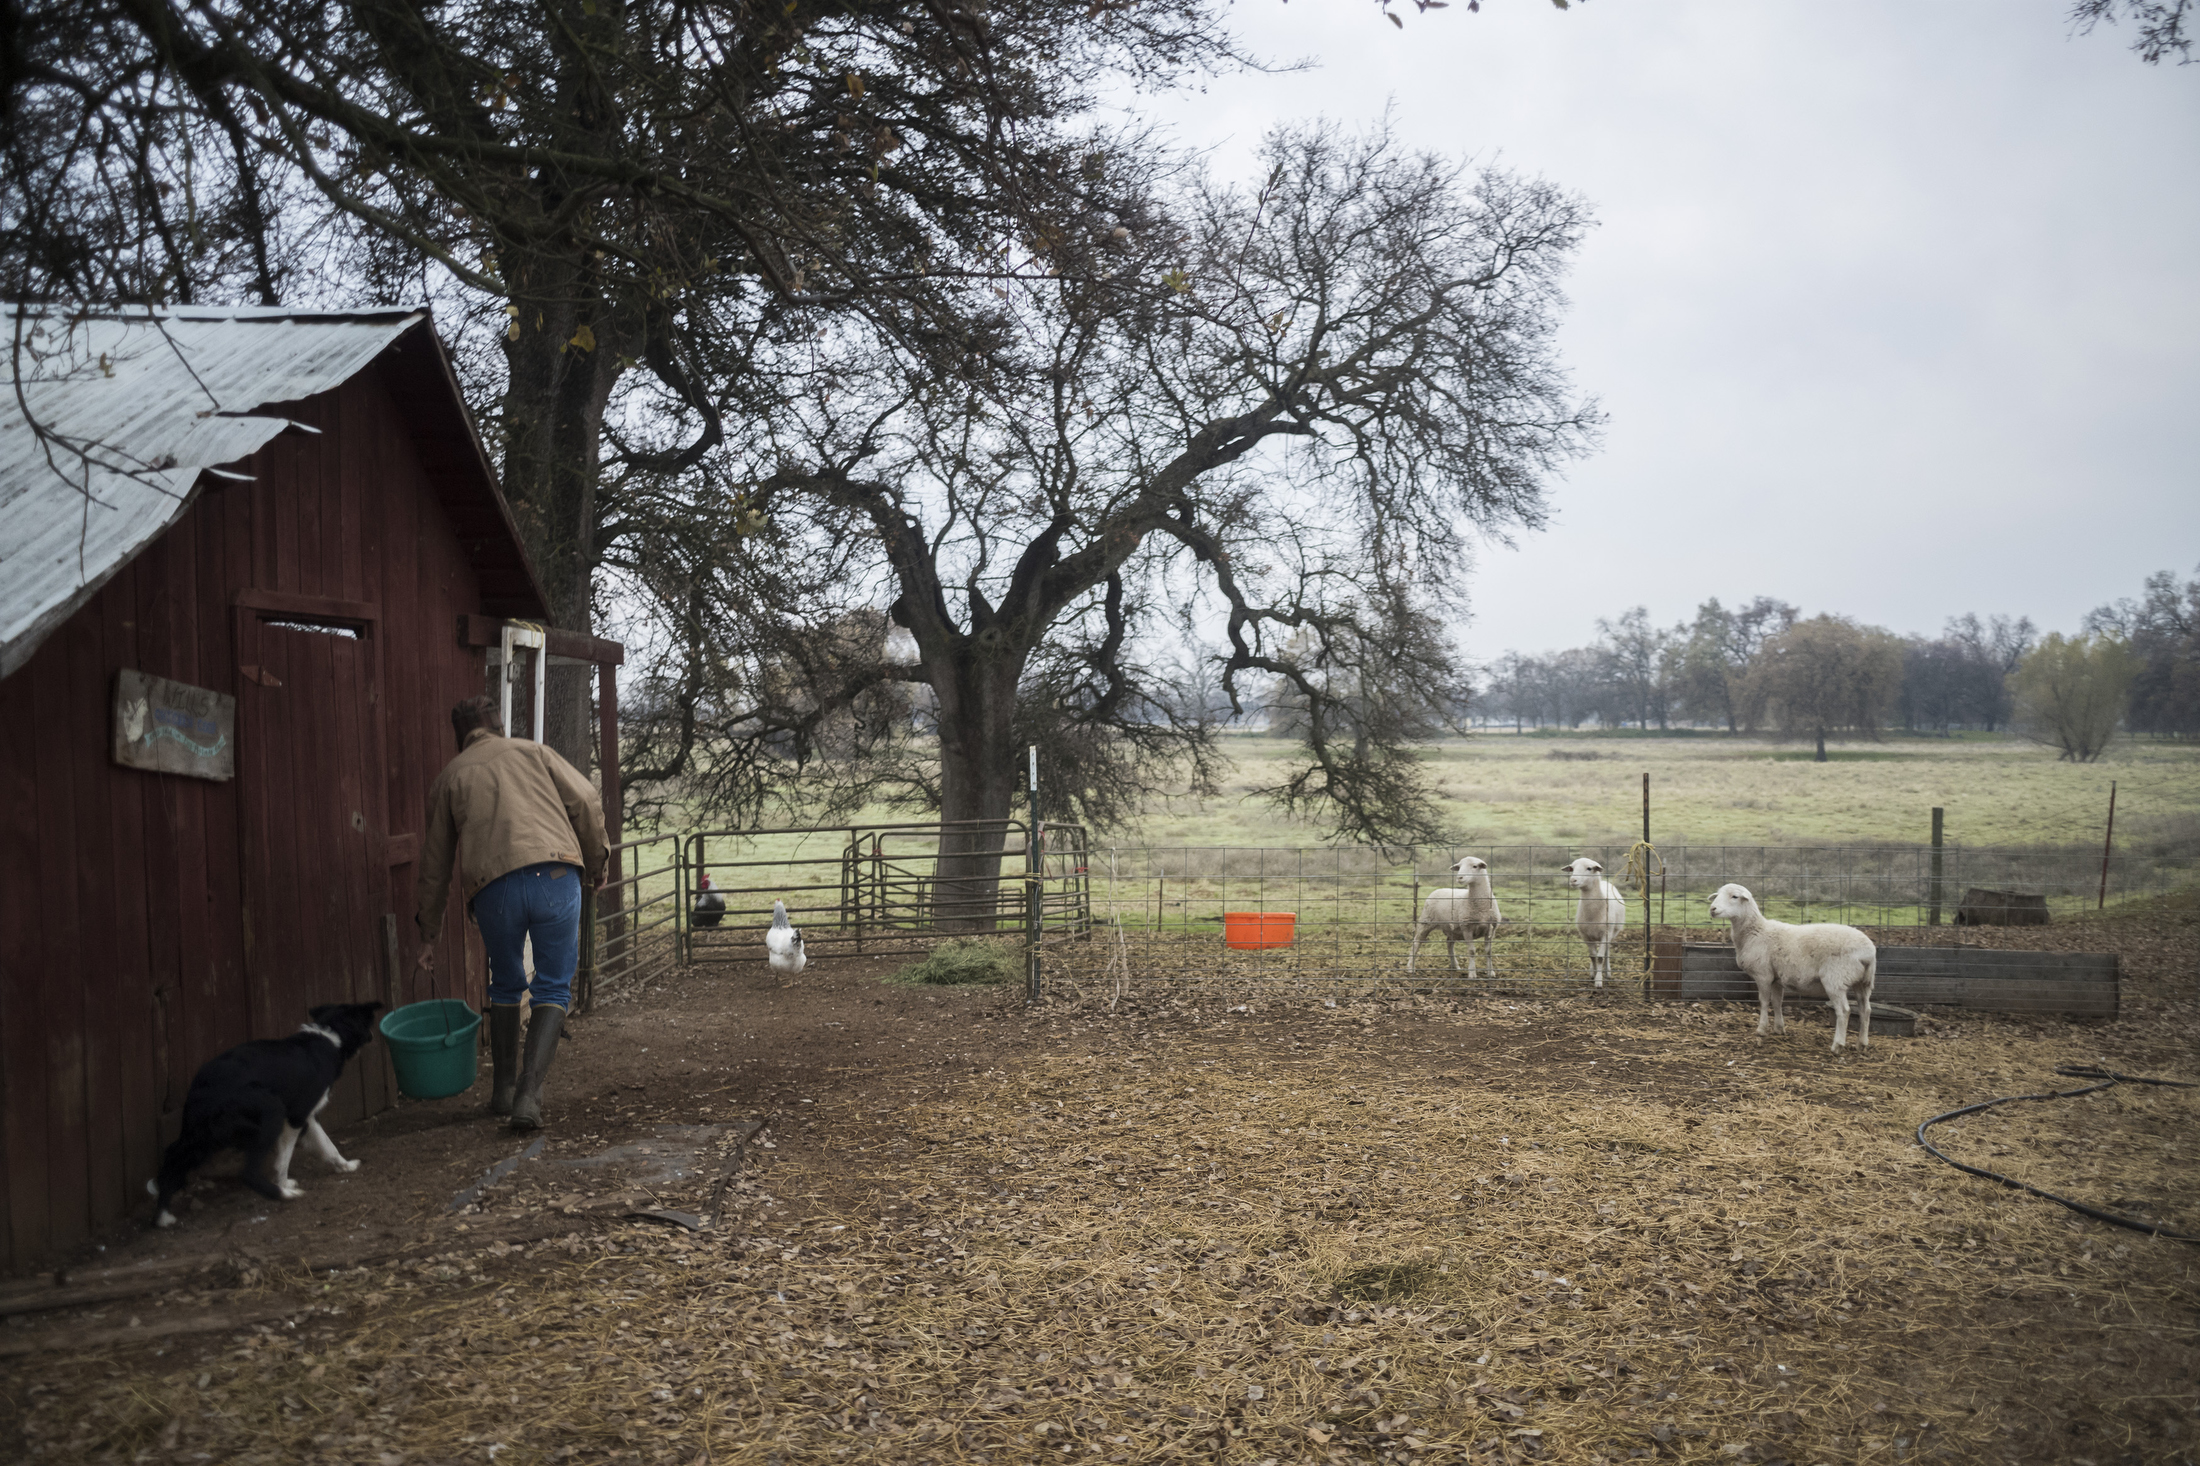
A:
x: 426, y: 960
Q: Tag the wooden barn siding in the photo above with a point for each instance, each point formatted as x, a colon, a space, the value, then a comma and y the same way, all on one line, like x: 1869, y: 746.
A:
x: 122, y: 945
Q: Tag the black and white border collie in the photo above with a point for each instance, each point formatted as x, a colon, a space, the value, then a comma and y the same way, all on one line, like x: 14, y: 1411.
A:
x: 259, y: 1098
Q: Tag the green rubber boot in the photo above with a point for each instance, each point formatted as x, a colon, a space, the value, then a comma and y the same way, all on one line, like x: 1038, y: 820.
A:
x: 542, y: 1047
x: 503, y: 1057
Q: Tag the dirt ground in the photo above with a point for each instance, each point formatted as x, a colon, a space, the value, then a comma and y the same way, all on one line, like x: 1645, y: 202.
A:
x: 1399, y: 1228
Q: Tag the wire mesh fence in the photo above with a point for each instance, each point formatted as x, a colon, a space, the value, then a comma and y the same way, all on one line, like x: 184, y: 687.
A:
x: 1323, y: 917
x: 1316, y: 919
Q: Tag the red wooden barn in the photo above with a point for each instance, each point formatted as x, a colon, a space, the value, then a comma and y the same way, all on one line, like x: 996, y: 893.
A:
x: 287, y: 509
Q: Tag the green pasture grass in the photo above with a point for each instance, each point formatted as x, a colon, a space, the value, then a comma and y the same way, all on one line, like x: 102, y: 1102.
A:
x: 1567, y: 793
x: 1549, y: 787
x: 1134, y: 905
x: 1707, y: 789
x: 1633, y: 735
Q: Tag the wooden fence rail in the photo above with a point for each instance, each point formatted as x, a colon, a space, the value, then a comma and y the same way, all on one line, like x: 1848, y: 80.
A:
x: 2071, y: 984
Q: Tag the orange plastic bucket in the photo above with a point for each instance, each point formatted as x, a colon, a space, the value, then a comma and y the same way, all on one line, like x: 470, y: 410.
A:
x: 1251, y: 931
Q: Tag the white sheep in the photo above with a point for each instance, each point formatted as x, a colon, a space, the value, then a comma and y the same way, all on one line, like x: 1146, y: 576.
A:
x: 1461, y: 914
x: 1599, y: 915
x: 1783, y: 958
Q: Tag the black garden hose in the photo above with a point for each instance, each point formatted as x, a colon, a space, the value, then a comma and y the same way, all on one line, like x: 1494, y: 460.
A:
x: 2108, y: 1078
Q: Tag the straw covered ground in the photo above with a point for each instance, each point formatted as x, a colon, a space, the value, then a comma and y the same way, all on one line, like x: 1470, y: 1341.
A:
x: 1405, y: 1229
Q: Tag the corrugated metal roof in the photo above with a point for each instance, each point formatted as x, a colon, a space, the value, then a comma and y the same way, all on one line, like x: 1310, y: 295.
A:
x: 133, y: 405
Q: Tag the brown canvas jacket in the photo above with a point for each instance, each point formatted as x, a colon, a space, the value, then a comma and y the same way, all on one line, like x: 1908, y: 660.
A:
x: 504, y: 803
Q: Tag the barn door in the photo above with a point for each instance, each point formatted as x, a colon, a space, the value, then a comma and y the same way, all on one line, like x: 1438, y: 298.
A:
x: 314, y: 879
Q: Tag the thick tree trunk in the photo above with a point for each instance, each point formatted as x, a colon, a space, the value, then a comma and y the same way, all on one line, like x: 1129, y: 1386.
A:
x: 977, y: 711
x: 553, y: 422
x: 1821, y: 745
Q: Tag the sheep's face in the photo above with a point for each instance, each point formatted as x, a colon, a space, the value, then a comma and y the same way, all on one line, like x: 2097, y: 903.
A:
x: 1470, y: 867
x: 1583, y: 874
x: 1730, y: 901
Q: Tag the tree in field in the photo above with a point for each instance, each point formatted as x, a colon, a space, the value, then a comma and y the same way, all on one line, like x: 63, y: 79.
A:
x: 1512, y: 690
x: 1935, y: 685
x: 1960, y: 679
x: 1712, y: 679
x: 2162, y: 628
x: 1991, y: 652
x: 1829, y: 675
x: 2071, y: 693
x: 1640, y: 661
x: 629, y: 197
x: 1277, y: 416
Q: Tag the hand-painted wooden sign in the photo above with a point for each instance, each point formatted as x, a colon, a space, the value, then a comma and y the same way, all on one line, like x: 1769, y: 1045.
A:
x: 172, y: 728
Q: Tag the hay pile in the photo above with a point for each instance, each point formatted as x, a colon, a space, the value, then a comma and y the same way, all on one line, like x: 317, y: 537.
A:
x: 962, y: 960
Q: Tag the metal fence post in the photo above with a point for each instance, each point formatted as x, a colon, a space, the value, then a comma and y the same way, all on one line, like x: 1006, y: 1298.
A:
x: 1646, y: 858
x: 683, y: 907
x: 1933, y: 918
x: 584, y: 985
x: 1033, y: 888
x: 848, y: 884
x: 1084, y: 879
x: 2108, y: 843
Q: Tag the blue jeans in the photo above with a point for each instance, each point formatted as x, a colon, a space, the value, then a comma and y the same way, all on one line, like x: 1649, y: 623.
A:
x: 538, y: 901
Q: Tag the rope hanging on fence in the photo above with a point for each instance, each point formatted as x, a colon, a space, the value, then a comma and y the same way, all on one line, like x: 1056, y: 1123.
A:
x: 2109, y: 1079
x: 1643, y: 862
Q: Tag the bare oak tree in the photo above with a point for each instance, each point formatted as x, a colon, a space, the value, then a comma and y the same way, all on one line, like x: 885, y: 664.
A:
x: 1279, y: 413
x: 2162, y: 628
x: 616, y: 184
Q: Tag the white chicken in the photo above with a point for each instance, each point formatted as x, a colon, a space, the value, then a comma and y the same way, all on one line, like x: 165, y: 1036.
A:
x: 784, y: 942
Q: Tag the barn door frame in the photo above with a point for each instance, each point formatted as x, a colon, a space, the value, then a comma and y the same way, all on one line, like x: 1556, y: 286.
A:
x: 251, y: 609
x: 516, y: 635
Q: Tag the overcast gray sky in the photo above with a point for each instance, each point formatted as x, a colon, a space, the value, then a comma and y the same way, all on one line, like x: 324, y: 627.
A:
x: 1895, y: 307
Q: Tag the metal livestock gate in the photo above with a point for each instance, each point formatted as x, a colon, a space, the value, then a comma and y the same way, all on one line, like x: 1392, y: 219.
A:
x: 864, y: 889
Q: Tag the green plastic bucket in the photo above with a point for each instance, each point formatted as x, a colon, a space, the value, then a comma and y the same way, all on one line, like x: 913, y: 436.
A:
x: 432, y: 1046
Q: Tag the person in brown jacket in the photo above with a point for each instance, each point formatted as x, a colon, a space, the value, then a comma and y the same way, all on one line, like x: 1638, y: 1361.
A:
x: 527, y: 831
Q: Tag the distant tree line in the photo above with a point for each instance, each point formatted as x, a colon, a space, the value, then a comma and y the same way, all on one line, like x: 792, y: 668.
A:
x: 2162, y: 629
x: 1764, y: 666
